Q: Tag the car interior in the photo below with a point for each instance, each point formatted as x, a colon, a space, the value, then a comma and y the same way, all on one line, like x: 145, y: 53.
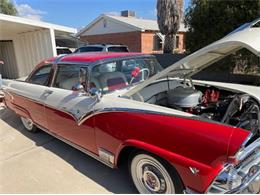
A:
x: 106, y: 77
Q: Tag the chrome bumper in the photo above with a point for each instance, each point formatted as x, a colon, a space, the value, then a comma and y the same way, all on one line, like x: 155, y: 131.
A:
x: 242, y: 177
x: 250, y: 186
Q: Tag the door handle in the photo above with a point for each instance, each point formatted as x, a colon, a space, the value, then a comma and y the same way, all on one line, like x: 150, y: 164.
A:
x: 48, y: 92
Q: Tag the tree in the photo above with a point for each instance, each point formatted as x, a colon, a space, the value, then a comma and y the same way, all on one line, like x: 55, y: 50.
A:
x: 7, y: 7
x: 168, y: 18
x: 210, y: 20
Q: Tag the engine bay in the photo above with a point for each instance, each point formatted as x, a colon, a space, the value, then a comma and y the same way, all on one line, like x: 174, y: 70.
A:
x: 239, y: 110
x: 209, y: 102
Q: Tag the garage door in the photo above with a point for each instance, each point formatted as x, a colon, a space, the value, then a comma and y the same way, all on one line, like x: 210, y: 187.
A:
x: 7, y: 55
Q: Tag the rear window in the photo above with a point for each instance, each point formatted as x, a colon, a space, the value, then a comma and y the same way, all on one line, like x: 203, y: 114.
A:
x: 90, y: 49
x: 117, y: 49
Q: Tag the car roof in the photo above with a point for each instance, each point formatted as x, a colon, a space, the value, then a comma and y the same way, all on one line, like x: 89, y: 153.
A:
x: 89, y: 57
x: 104, y: 45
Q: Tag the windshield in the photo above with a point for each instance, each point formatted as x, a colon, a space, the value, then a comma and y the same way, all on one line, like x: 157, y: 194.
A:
x: 117, y: 49
x: 89, y: 49
x: 119, y: 74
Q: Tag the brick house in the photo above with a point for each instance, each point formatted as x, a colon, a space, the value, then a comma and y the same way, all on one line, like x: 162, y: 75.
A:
x: 140, y: 35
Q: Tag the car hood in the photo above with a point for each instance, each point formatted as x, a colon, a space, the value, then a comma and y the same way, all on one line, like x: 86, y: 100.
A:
x: 248, y: 38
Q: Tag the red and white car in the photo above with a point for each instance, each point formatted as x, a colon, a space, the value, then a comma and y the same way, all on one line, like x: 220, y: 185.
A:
x: 176, y: 134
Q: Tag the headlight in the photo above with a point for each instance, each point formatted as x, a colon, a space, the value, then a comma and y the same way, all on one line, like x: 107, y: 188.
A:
x: 227, y: 179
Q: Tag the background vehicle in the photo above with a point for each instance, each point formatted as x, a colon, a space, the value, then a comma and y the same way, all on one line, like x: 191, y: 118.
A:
x: 102, y: 48
x: 63, y: 50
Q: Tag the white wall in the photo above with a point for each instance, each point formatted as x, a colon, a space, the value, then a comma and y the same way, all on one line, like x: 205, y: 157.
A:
x: 33, y: 47
x: 111, y: 27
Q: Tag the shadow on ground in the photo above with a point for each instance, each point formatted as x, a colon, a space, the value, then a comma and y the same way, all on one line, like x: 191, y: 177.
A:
x: 114, y: 180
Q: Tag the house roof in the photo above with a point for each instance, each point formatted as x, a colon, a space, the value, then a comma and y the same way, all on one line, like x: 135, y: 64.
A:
x: 139, y: 24
x: 24, y: 24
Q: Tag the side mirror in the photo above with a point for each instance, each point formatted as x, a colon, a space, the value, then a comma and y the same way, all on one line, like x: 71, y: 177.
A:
x: 78, y: 88
x: 95, y: 92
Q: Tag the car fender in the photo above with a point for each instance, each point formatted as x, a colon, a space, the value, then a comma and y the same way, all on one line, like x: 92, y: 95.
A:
x: 184, y: 166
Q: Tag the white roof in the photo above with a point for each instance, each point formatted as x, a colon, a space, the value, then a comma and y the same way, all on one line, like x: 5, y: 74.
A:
x: 139, y: 24
x: 19, y: 21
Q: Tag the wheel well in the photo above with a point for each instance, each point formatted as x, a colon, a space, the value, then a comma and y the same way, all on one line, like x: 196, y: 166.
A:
x: 126, y: 153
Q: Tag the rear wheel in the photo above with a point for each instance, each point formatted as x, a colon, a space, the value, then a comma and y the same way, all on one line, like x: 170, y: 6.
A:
x: 152, y: 175
x: 28, y: 124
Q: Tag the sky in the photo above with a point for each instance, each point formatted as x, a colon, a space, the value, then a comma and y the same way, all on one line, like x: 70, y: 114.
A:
x: 79, y: 13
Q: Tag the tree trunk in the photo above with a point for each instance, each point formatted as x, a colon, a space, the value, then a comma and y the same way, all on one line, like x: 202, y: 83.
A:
x: 169, y: 43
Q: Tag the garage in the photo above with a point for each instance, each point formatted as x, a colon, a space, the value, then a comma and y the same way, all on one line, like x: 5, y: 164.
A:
x: 25, y: 42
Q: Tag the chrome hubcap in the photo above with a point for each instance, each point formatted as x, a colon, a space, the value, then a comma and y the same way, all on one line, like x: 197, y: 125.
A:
x: 151, y: 181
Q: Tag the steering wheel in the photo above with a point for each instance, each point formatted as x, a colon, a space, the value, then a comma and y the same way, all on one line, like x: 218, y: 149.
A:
x: 137, y: 71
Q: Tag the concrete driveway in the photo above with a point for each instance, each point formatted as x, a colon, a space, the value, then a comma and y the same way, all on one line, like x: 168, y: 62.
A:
x: 39, y: 163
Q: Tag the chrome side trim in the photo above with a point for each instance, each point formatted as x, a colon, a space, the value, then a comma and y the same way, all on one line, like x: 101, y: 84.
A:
x: 41, y: 103
x: 111, y: 165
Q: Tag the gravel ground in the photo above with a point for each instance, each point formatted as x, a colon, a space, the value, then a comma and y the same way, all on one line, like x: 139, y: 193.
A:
x: 39, y: 163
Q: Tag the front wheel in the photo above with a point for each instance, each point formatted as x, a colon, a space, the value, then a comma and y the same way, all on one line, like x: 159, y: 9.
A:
x: 28, y: 124
x: 152, y: 175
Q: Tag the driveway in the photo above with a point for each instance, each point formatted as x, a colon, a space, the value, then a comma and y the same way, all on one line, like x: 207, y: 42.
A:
x: 39, y: 163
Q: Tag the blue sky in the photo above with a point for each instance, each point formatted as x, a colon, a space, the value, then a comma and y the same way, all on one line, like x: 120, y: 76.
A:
x: 78, y: 13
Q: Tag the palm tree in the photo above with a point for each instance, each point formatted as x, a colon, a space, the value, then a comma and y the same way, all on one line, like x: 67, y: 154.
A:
x: 168, y: 18
x: 7, y: 7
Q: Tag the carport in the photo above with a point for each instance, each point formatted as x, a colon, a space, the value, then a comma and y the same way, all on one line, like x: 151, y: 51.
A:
x: 25, y: 42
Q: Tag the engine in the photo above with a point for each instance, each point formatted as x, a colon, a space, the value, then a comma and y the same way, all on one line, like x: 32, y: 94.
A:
x: 239, y: 110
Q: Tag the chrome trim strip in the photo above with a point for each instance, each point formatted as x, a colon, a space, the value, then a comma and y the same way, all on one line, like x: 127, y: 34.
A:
x: 76, y: 146
x: 38, y: 102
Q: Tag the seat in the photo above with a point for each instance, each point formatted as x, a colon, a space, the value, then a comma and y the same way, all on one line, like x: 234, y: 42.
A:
x: 111, y: 81
x: 69, y: 83
x: 94, y: 83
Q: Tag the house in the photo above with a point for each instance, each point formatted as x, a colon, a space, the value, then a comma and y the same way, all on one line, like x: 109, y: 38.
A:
x: 140, y: 35
x: 25, y: 42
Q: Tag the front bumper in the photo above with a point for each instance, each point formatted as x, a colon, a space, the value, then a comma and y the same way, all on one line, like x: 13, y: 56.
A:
x: 250, y: 186
x: 242, y: 177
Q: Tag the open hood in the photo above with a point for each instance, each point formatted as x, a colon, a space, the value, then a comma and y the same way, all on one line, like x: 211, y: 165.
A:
x: 247, y: 36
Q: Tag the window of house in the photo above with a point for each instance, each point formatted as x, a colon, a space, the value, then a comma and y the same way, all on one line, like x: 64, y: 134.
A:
x: 104, y: 23
x: 157, y: 43
x: 177, y: 42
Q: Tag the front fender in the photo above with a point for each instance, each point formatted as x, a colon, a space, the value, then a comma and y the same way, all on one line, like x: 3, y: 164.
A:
x: 182, y: 164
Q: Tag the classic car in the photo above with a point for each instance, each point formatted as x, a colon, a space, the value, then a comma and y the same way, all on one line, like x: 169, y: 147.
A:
x: 176, y: 134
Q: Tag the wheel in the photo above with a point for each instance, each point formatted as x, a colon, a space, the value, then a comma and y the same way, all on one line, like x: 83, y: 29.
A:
x: 152, y: 175
x: 28, y: 124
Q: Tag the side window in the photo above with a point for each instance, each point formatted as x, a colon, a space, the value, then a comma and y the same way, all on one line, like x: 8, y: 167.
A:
x: 41, y: 76
x: 67, y: 77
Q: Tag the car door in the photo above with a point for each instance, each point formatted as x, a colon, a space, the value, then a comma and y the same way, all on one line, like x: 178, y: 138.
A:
x: 27, y: 97
x: 65, y: 107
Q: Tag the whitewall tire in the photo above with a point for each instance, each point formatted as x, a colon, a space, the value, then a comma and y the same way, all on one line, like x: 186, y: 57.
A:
x: 28, y: 124
x: 151, y: 175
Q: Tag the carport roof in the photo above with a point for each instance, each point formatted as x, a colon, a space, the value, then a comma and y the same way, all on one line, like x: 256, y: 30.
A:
x: 20, y: 25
